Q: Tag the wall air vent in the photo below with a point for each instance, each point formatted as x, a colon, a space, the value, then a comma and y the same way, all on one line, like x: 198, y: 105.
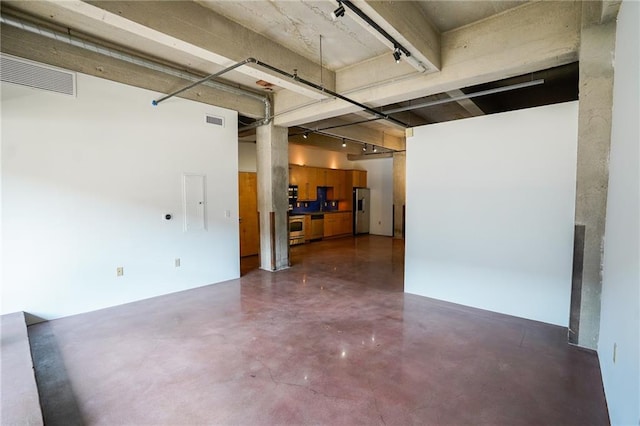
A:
x: 39, y: 76
x: 212, y: 119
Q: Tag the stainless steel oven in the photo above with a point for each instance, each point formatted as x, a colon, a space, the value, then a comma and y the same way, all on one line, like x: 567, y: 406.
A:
x: 296, y: 229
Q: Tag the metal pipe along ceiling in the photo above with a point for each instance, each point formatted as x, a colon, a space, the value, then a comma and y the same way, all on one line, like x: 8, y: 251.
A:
x: 96, y: 48
x: 154, y: 66
x: 294, y: 77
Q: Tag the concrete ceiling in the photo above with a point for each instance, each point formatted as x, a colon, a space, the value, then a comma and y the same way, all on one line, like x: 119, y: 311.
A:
x: 458, y: 45
x: 298, y: 25
x: 448, y: 15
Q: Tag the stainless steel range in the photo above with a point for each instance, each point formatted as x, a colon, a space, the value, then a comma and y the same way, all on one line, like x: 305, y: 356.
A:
x: 296, y: 230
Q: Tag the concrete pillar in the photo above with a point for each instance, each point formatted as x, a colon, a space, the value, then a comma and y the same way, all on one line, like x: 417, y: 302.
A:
x: 272, y: 153
x: 597, y: 45
x: 399, y: 192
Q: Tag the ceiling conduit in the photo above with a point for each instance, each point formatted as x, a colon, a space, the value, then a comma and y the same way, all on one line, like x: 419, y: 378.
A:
x: 154, y: 66
x: 294, y: 77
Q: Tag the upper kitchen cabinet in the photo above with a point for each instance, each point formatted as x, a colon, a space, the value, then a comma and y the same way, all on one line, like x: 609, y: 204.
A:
x: 306, y: 180
x: 294, y: 175
x: 338, y: 184
x: 359, y: 178
x: 321, y: 177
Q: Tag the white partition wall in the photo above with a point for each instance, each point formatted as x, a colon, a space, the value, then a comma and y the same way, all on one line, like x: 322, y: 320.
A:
x: 619, y: 345
x: 86, y: 184
x: 490, y: 211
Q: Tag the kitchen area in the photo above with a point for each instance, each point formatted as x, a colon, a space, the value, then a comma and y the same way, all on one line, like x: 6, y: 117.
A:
x: 320, y: 185
x: 326, y: 203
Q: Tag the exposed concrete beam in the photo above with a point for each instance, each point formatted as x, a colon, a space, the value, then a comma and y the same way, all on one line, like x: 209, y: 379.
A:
x: 406, y: 22
x: 45, y: 50
x: 467, y: 104
x: 609, y: 10
x: 180, y: 31
x: 532, y: 37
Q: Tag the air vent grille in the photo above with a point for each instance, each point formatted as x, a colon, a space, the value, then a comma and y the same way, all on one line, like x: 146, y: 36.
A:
x: 30, y: 74
x: 212, y: 119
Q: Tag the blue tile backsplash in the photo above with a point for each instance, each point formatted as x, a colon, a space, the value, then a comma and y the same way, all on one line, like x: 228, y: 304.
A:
x: 321, y: 204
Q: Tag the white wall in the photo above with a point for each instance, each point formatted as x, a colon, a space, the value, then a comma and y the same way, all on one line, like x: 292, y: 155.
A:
x: 490, y: 211
x: 316, y: 157
x: 86, y: 183
x: 620, y: 311
x: 247, y: 161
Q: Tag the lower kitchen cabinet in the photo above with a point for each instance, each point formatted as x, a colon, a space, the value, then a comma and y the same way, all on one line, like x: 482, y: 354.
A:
x: 337, y: 224
x: 307, y: 227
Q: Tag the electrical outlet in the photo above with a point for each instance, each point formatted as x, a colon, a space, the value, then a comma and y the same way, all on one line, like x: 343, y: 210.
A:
x: 119, y: 271
x: 177, y: 262
x: 615, y: 352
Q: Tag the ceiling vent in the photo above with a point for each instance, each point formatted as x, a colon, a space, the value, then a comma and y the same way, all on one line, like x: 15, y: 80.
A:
x: 39, y: 76
x: 216, y: 121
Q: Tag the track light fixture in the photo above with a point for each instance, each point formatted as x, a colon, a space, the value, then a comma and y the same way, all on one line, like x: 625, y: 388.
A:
x: 375, y: 148
x: 305, y: 135
x: 339, y: 12
x: 344, y: 143
x: 396, y: 54
x: 364, y: 147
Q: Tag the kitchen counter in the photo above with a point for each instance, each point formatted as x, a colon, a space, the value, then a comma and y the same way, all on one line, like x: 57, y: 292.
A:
x: 324, y: 212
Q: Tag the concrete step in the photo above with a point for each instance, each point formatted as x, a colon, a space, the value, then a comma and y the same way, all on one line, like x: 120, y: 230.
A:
x: 19, y: 401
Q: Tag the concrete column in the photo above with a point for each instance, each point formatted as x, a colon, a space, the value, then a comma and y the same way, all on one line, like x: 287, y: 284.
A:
x: 399, y: 192
x: 597, y: 45
x: 272, y: 151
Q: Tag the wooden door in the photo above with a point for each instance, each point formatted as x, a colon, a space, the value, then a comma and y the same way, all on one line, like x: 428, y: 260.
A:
x: 248, y: 196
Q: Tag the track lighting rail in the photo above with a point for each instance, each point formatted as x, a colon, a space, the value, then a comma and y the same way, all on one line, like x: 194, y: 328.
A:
x: 355, y: 9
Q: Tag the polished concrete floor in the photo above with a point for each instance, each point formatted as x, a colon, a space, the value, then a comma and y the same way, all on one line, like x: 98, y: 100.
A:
x: 332, y: 340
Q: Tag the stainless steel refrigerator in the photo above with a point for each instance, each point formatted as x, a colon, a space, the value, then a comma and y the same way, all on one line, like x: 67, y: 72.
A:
x: 361, y: 210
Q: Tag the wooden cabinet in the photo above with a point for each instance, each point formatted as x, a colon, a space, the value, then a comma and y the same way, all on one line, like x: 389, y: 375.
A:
x: 294, y: 174
x: 339, y: 182
x: 311, y: 184
x: 337, y: 224
x: 329, y: 225
x: 305, y: 179
x: 332, y: 179
x: 359, y: 178
x: 343, y: 190
x: 340, y: 188
x: 321, y: 177
x: 307, y: 227
x: 346, y: 223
